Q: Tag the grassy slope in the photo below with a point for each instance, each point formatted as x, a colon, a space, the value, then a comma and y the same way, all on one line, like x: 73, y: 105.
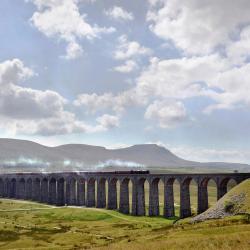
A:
x: 241, y: 190
x: 80, y: 228
x: 27, y: 225
x: 64, y: 228
x: 227, y: 234
x: 236, y: 201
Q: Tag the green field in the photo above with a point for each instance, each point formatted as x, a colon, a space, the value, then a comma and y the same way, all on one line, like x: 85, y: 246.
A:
x: 28, y: 225
x: 25, y: 225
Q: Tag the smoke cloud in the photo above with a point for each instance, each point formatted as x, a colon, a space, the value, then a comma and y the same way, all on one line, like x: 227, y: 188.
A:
x: 23, y: 164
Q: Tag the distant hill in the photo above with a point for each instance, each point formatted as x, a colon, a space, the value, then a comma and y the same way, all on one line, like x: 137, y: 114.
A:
x: 236, y: 201
x: 22, y: 155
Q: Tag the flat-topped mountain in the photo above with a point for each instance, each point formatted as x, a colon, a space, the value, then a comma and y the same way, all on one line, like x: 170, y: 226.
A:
x: 22, y: 155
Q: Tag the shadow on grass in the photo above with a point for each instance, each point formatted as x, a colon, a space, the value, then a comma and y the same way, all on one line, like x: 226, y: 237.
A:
x: 7, y: 235
x: 44, y: 234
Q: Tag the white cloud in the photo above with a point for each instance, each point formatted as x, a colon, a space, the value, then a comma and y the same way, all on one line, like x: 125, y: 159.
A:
x: 107, y: 121
x: 195, y: 26
x: 29, y: 111
x: 127, y: 67
x: 117, y: 102
x: 180, y: 78
x: 12, y: 71
x: 66, y: 123
x: 118, y: 13
x: 74, y: 50
x: 62, y: 19
x: 128, y: 49
x: 166, y: 114
x: 25, y: 103
x: 234, y: 88
x: 211, y: 76
x: 238, y: 51
x: 95, y: 102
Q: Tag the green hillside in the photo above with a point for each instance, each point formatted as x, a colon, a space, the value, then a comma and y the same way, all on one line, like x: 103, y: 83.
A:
x: 28, y: 225
x: 235, y: 202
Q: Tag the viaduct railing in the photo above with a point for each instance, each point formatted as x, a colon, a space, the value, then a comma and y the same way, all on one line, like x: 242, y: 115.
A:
x: 99, y: 189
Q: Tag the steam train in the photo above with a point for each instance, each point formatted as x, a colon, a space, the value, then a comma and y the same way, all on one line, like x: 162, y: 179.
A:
x: 133, y: 172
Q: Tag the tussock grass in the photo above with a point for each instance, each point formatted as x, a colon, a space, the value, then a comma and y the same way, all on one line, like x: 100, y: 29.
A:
x: 37, y: 226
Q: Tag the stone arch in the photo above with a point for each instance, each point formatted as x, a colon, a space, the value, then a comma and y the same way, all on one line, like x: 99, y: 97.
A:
x: 28, y: 189
x: 161, y: 196
x: 81, y: 192
x: 13, y: 188
x: 90, y: 201
x: 153, y: 209
x: 185, y: 205
x: 205, y: 186
x: 44, y: 190
x: 112, y: 193
x: 169, y: 197
x: 1, y: 187
x: 52, y: 191
x: 222, y: 186
x: 61, y: 192
x: 71, y: 191
x: 124, y: 196
x: 101, y: 193
x: 7, y: 187
x: 36, y: 189
x: 138, y: 196
x: 232, y: 183
x: 21, y: 188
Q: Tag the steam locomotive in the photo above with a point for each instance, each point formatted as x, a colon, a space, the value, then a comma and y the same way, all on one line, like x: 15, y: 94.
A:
x: 133, y: 172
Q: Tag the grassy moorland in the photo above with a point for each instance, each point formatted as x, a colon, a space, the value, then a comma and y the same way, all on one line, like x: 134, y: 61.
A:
x: 27, y: 225
x: 34, y: 226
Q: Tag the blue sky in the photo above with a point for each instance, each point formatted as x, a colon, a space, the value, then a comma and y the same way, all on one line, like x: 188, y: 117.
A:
x: 117, y: 73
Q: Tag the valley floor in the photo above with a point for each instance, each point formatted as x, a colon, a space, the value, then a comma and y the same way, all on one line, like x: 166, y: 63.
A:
x: 26, y: 225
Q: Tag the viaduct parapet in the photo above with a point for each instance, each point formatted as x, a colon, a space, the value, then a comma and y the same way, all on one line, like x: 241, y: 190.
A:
x: 100, y: 189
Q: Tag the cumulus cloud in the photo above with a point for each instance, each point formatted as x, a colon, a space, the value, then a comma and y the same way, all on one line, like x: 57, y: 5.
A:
x: 14, y: 70
x: 73, y: 51
x: 234, y: 88
x: 118, y: 13
x: 127, y: 49
x: 117, y: 102
x: 108, y: 121
x: 63, y: 20
x: 166, y: 114
x: 239, y: 51
x: 130, y: 51
x: 66, y: 123
x: 29, y: 111
x: 127, y: 67
x: 25, y: 103
x: 198, y: 27
x: 180, y: 78
x: 210, y: 76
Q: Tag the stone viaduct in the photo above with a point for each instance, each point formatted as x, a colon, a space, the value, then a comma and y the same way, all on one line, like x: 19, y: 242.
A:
x: 99, y: 189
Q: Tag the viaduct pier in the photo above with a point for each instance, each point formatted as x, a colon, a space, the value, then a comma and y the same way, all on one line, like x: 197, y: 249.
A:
x: 100, y: 189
